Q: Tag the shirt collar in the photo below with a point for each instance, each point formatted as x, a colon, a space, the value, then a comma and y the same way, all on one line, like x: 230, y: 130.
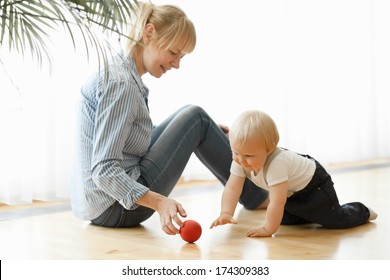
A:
x: 132, y: 68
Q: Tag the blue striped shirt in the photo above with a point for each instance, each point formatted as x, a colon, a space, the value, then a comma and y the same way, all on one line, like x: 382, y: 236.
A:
x: 114, y: 132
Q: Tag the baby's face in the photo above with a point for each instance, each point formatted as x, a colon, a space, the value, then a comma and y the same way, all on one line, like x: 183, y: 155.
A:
x: 250, y: 155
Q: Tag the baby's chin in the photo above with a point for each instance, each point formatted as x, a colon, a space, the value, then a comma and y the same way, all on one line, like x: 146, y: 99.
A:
x: 249, y: 169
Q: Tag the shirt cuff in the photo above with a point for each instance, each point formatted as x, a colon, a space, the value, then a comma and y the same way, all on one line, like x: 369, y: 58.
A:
x: 135, y: 194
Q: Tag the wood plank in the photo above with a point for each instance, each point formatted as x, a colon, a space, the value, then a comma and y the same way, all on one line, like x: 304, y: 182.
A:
x: 61, y: 236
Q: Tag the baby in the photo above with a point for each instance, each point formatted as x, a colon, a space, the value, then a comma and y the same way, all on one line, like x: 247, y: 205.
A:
x: 300, y: 189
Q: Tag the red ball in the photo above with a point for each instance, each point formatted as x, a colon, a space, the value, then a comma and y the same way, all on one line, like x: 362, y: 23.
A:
x: 190, y: 231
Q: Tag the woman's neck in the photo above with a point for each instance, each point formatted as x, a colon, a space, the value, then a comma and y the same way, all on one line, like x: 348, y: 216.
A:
x: 136, y: 53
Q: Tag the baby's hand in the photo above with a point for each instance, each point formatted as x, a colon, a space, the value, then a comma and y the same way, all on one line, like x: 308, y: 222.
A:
x: 258, y: 232
x: 222, y: 220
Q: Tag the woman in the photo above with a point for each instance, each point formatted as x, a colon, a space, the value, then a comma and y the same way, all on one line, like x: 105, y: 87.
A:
x: 126, y: 167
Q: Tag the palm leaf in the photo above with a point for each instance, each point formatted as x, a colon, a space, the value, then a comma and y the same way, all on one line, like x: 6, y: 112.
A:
x: 25, y: 24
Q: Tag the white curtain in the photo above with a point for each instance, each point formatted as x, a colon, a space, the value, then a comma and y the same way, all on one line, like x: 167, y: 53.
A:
x: 320, y: 68
x: 37, y: 109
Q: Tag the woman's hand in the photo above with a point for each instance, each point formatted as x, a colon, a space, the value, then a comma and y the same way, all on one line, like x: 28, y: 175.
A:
x: 222, y: 220
x: 168, y: 209
x: 224, y: 128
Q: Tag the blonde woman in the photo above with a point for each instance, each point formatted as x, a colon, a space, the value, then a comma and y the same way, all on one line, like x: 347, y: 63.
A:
x: 300, y: 189
x: 126, y: 167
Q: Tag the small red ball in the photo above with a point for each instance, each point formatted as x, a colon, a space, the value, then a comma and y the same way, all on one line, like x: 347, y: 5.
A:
x: 190, y: 231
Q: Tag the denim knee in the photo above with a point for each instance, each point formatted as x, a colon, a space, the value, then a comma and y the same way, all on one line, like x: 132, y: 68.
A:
x: 194, y: 110
x: 252, y: 196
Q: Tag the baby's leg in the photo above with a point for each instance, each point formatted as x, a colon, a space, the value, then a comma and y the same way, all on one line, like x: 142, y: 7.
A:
x: 290, y: 219
x: 318, y: 203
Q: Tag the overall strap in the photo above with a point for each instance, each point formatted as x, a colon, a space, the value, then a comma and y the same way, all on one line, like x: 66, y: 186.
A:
x: 276, y: 152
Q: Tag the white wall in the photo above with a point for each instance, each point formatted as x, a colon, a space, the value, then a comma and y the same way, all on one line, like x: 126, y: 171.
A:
x: 320, y: 68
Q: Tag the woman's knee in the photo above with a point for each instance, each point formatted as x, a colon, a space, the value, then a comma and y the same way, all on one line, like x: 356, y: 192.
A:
x: 195, y: 111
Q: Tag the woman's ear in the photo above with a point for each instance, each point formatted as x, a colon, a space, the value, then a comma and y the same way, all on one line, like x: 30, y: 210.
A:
x: 148, y: 33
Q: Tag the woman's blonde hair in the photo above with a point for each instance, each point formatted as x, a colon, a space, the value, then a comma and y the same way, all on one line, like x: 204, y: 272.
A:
x: 255, y: 125
x: 173, y: 28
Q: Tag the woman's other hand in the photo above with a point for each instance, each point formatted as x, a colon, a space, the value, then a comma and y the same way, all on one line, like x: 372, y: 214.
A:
x: 224, y: 128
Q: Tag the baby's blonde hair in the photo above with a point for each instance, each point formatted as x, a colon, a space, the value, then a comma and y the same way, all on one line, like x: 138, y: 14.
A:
x: 257, y: 125
x: 173, y: 28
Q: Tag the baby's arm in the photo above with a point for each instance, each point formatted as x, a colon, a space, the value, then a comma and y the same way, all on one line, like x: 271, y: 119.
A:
x: 275, y: 209
x: 230, y: 197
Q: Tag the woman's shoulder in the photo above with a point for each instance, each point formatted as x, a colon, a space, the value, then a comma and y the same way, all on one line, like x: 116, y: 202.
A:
x: 121, y: 68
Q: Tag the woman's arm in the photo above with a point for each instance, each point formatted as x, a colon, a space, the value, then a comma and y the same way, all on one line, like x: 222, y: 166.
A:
x: 275, y: 210
x: 113, y: 126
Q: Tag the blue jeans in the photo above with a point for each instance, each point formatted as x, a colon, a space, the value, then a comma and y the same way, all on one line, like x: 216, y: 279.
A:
x: 318, y: 203
x: 189, y: 130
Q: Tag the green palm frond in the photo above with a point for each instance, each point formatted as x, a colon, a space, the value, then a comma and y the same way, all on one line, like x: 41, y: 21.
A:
x: 25, y: 23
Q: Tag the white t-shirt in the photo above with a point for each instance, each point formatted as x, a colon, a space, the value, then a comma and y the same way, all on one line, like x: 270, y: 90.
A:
x: 286, y: 166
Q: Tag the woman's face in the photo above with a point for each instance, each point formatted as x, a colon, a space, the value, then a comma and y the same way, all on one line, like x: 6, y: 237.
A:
x: 157, y: 61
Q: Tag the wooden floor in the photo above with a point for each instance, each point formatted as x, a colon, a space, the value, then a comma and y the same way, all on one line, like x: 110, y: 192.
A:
x: 59, y: 235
